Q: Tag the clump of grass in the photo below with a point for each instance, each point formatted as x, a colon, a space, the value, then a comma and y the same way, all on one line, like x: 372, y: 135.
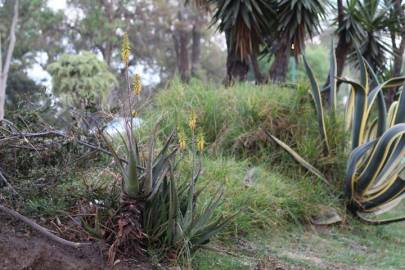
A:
x: 233, y: 120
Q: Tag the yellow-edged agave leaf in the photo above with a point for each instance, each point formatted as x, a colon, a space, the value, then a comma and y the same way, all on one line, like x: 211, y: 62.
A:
x: 380, y: 156
x: 382, y: 108
x: 376, y: 186
x: 375, y: 81
x: 392, y: 112
x: 359, y: 112
x: 349, y: 110
x: 371, y: 133
x: 299, y: 159
x: 394, y: 82
x: 316, y: 95
x: 355, y: 161
x: 364, y: 217
x: 388, y: 175
x: 388, y: 206
x: 364, y: 76
x: 400, y: 112
x: 377, y: 95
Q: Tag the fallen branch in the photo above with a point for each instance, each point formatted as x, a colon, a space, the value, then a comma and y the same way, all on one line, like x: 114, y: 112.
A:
x: 2, y: 177
x: 41, y: 229
x: 56, y: 133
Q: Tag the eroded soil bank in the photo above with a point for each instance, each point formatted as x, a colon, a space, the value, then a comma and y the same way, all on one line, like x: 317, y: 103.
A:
x: 22, y: 249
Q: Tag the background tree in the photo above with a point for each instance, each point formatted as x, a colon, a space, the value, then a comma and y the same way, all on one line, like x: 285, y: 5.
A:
x: 38, y: 37
x: 244, y: 24
x: 295, y: 21
x: 82, y: 81
x: 5, y: 64
x: 375, y: 22
x: 97, y: 30
x: 349, y: 30
x: 167, y: 37
x: 397, y: 34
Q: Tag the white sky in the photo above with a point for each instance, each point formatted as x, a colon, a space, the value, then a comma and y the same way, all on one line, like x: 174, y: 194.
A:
x: 57, y: 4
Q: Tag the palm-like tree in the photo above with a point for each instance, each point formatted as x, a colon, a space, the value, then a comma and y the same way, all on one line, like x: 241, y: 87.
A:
x: 296, y: 21
x: 245, y: 23
x: 276, y: 24
x: 373, y: 16
x: 349, y: 31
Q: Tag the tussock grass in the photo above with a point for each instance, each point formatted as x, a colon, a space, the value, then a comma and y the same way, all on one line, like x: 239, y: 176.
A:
x: 233, y: 120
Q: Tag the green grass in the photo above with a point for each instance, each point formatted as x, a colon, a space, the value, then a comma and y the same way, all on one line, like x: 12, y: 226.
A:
x: 271, y: 200
x: 233, y: 120
x: 352, y: 246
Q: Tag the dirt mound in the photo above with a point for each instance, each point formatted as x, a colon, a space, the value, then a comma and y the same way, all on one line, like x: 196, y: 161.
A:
x: 22, y: 249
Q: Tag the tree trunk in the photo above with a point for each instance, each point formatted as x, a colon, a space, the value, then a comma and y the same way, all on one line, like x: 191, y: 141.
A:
x: 398, y: 53
x: 109, y: 46
x: 196, y: 49
x: 184, y: 64
x: 181, y: 38
x: 4, y: 69
x: 279, y: 68
x: 341, y: 51
x: 236, y: 68
x: 259, y: 77
x: 342, y: 48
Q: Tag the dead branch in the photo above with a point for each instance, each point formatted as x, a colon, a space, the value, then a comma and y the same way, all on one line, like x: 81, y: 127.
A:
x: 22, y: 135
x: 2, y: 177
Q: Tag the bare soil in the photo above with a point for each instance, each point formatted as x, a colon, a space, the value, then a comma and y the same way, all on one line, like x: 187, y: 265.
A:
x: 22, y: 249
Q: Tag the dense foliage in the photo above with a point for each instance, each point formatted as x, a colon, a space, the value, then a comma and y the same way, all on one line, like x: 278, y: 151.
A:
x: 82, y: 80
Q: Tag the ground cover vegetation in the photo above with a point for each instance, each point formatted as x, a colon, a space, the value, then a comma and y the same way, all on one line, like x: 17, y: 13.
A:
x: 160, y: 145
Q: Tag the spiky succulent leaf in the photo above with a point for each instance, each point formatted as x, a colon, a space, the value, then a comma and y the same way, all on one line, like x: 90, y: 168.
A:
x: 132, y: 182
x: 316, y: 95
x: 299, y: 159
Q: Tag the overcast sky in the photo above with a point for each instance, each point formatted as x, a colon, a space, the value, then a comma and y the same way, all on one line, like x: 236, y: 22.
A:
x: 57, y: 4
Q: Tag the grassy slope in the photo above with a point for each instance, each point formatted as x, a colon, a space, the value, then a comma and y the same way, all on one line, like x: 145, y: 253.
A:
x: 275, y: 208
x: 350, y: 246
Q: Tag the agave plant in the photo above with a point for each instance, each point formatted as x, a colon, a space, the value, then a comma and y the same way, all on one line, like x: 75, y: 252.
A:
x: 374, y: 183
x: 157, y: 209
x: 375, y: 169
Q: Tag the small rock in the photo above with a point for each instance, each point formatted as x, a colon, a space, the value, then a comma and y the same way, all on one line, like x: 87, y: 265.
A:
x: 326, y: 216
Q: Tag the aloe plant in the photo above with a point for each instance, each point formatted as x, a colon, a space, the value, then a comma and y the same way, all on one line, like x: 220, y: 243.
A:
x: 375, y: 180
x: 157, y: 209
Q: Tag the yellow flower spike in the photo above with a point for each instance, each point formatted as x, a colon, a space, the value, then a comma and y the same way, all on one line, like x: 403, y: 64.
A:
x: 136, y: 84
x: 125, y: 49
x: 200, y: 142
x: 134, y: 114
x: 182, y: 141
x: 192, y: 121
